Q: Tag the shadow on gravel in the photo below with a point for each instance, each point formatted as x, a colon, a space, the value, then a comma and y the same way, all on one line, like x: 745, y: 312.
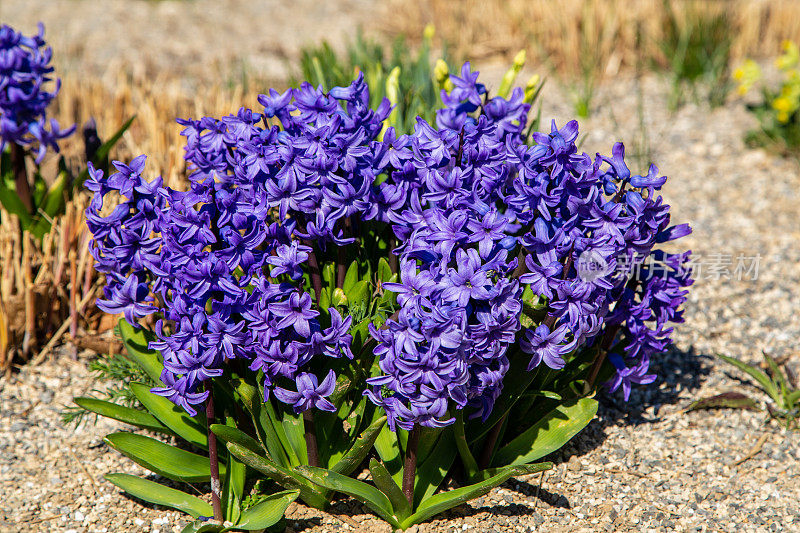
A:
x: 679, y: 372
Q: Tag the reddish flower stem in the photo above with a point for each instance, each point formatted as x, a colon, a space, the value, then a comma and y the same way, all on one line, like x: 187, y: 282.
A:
x: 213, y: 457
x: 410, y: 466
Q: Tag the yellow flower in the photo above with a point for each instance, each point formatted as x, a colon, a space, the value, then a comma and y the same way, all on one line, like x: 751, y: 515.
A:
x: 790, y: 57
x: 441, y: 73
x: 747, y: 75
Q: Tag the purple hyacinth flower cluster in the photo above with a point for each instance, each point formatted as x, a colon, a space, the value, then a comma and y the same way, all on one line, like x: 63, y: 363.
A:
x: 24, y: 74
x: 481, y: 216
x: 505, y: 249
x: 223, y: 263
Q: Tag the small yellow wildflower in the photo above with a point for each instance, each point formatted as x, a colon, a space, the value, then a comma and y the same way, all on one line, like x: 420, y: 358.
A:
x: 747, y: 75
x: 790, y: 57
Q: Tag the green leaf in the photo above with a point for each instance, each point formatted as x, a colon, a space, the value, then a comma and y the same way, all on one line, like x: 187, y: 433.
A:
x: 251, y: 397
x: 358, y: 295
x: 157, y: 493
x: 13, y: 204
x: 729, y: 400
x: 384, y: 270
x: 550, y: 433
x: 350, y: 278
x: 161, y: 458
x: 54, y: 202
x: 172, y: 416
x: 286, y: 450
x: 202, y: 526
x: 129, y: 415
x: 363, y: 444
x: 389, y: 451
x: 233, y: 485
x: 232, y: 434
x: 767, y: 384
x: 294, y: 428
x: 432, y: 471
x: 267, y: 512
x: 447, y: 500
x: 339, y: 297
x: 383, y: 480
x: 467, y: 459
x: 288, y: 478
x: 136, y: 341
x: 363, y: 492
x: 777, y: 374
x: 792, y: 398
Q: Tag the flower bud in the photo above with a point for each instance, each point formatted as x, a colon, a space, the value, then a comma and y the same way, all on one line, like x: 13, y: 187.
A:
x: 511, y: 75
x: 532, y: 88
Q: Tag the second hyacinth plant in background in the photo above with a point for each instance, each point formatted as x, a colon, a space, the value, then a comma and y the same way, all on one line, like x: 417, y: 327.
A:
x: 329, y: 295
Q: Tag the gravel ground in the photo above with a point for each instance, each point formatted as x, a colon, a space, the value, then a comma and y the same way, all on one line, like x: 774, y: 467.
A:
x: 643, y: 465
x: 201, y: 39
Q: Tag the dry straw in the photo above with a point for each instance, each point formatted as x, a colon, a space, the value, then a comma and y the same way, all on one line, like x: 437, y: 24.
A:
x: 556, y: 32
x: 48, y: 288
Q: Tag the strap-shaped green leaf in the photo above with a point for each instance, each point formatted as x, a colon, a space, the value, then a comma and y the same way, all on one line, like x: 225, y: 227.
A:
x: 389, y: 451
x: 161, y: 458
x: 294, y: 428
x: 129, y: 415
x: 232, y: 434
x: 286, y: 449
x: 251, y: 398
x: 136, y: 342
x: 777, y: 375
x: 233, y: 485
x: 54, y: 200
x: 157, y: 493
x: 757, y: 374
x: 550, y: 433
x: 792, y: 398
x: 267, y: 512
x: 203, y: 526
x: 172, y: 416
x: 285, y: 477
x: 361, y: 447
x: 12, y: 203
x: 467, y: 459
x: 383, y: 480
x: 447, y: 500
x: 363, y: 492
x: 434, y: 468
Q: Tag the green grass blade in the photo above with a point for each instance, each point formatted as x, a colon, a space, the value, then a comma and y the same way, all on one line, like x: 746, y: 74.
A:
x: 757, y: 374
